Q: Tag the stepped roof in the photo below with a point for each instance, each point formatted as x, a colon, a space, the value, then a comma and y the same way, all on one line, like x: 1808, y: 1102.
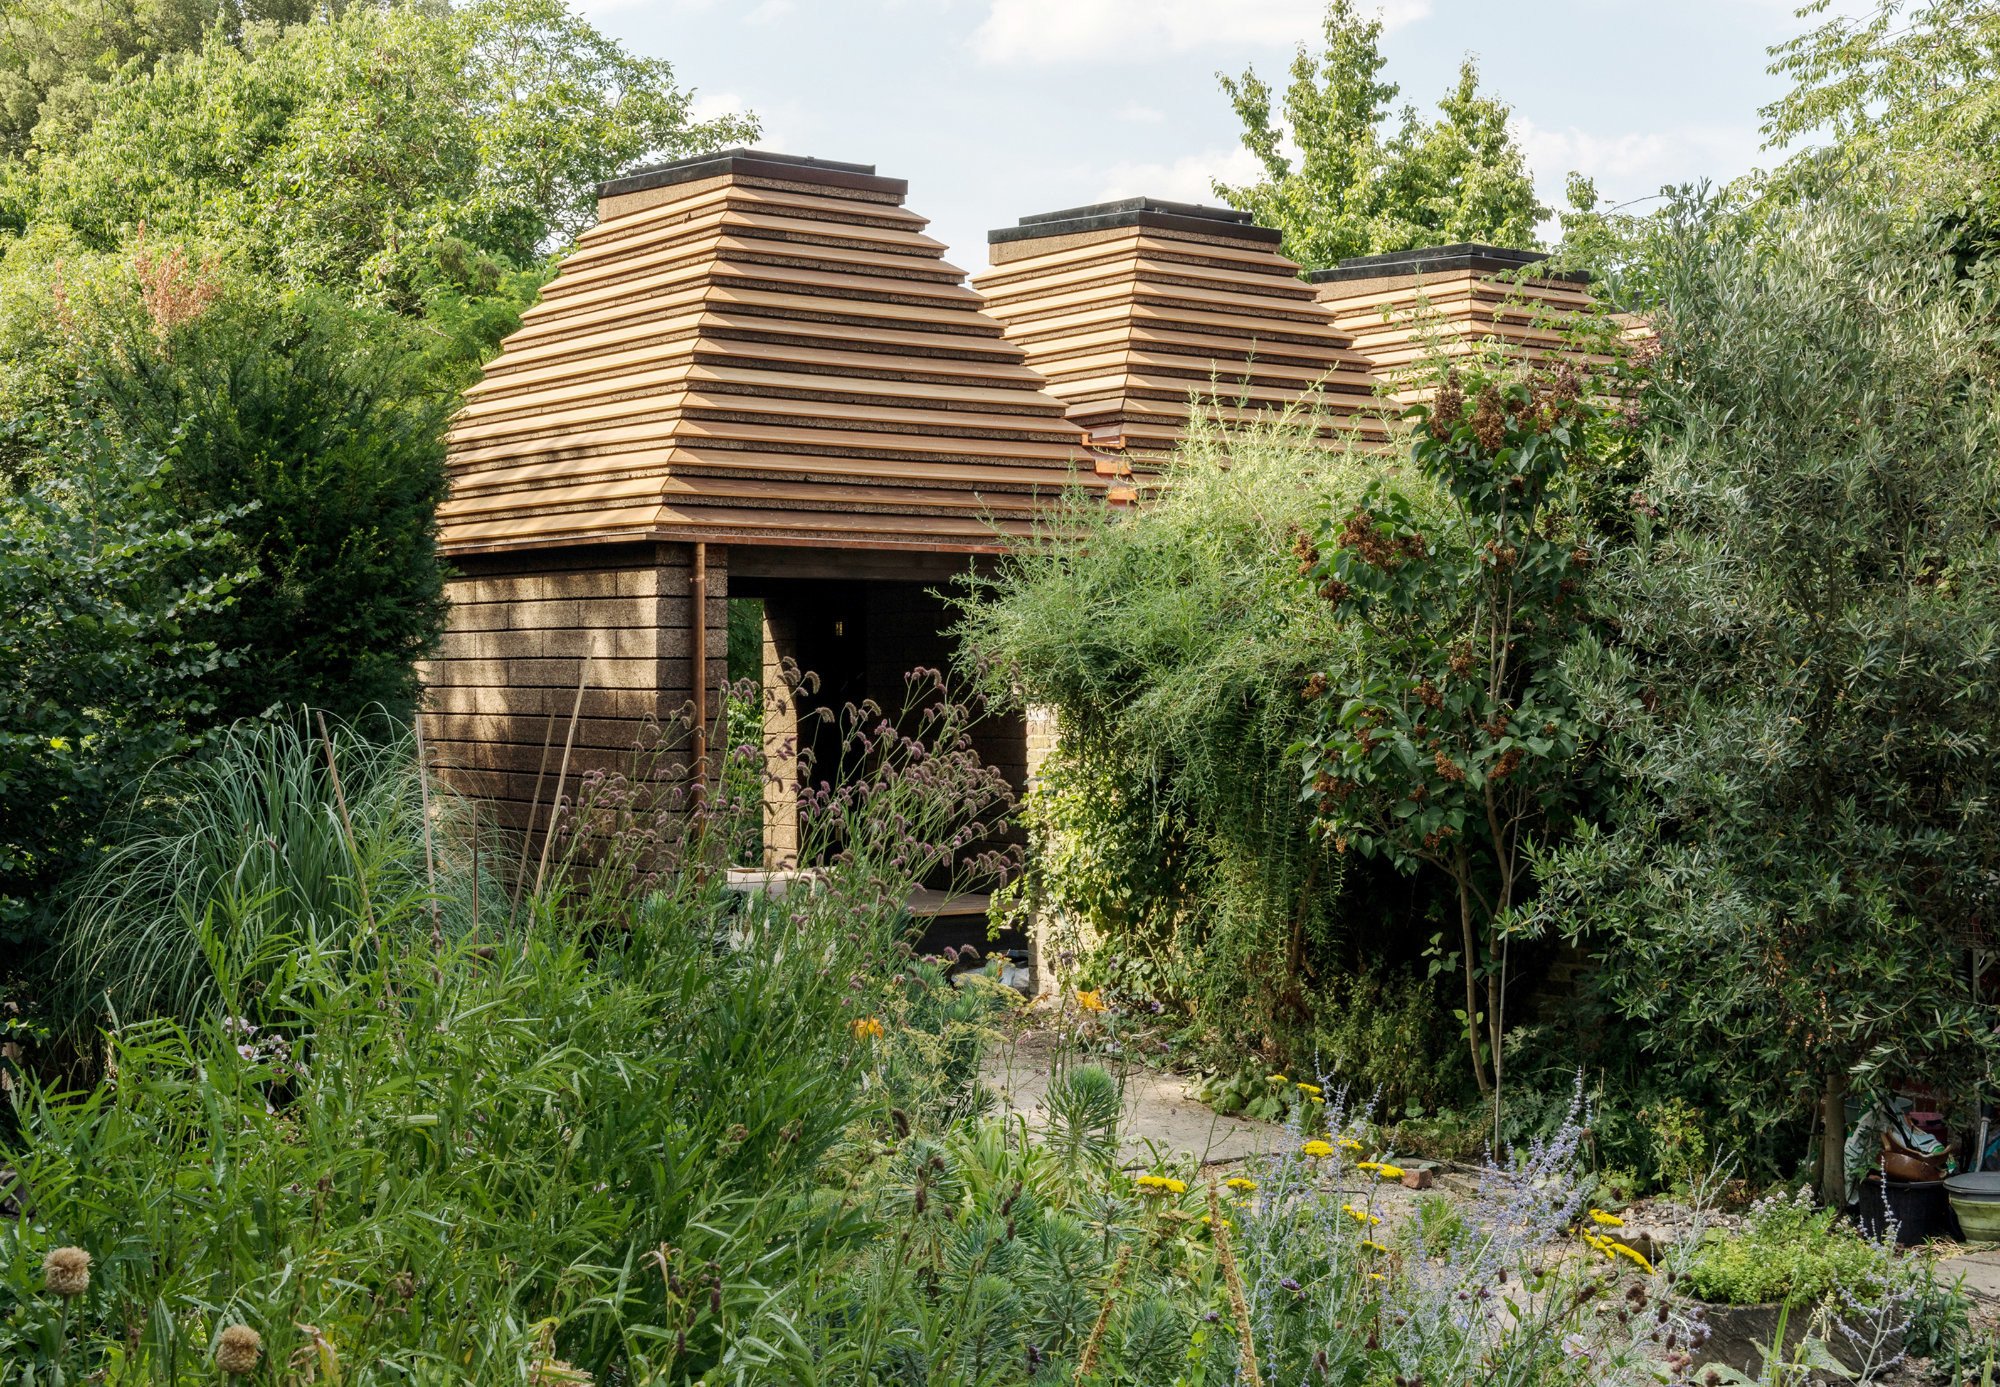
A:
x: 757, y: 348
x: 1134, y: 309
x: 1404, y: 306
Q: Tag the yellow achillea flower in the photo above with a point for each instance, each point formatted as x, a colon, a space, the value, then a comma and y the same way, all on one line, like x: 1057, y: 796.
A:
x: 1312, y: 1090
x: 1361, y: 1216
x: 866, y: 1027
x: 1376, y: 1276
x: 1374, y: 1246
x: 1161, y: 1184
x: 1090, y: 1000
x: 1318, y: 1150
x: 1632, y: 1253
x: 1238, y: 1182
x: 1604, y: 1220
x: 1349, y: 1144
x: 1276, y: 1079
x: 1389, y: 1172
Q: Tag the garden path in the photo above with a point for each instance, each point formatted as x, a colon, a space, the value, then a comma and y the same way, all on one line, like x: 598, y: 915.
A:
x: 1160, y: 1117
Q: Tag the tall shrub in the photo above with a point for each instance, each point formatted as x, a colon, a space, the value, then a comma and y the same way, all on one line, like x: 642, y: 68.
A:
x: 1172, y: 642
x: 1802, y: 686
x: 287, y: 411
x: 107, y: 592
x: 1446, y: 740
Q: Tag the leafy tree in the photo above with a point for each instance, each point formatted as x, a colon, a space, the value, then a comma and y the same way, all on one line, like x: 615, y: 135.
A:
x: 1808, y: 746
x: 103, y: 670
x: 1909, y: 97
x: 1460, y: 177
x: 1171, y: 642
x: 1447, y: 740
x: 390, y: 153
x: 337, y: 465
x: 52, y: 51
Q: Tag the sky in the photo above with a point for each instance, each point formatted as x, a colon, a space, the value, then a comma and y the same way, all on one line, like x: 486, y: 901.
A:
x: 995, y: 109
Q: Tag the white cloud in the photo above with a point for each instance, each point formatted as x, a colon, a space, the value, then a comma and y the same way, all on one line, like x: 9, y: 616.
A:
x: 1186, y: 179
x: 1636, y: 163
x: 1139, y: 113
x: 1058, y: 31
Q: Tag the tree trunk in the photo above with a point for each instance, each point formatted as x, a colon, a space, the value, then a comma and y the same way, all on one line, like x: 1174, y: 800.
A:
x: 1833, y: 1138
x: 1471, y: 960
x: 1496, y: 998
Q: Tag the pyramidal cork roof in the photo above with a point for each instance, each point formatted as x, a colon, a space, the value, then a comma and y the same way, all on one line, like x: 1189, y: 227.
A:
x: 1134, y: 309
x: 757, y: 348
x: 1405, y: 307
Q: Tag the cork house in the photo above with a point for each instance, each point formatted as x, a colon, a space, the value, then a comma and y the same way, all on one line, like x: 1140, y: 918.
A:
x: 756, y: 378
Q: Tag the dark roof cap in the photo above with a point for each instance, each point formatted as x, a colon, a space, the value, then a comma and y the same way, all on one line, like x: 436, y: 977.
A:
x: 1463, y: 255
x: 756, y: 163
x: 1138, y: 211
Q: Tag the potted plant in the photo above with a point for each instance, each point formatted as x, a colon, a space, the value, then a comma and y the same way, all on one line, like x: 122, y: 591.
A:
x: 1792, y: 1271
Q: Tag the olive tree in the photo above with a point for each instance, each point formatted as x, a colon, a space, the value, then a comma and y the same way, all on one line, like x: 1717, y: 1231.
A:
x: 1802, y: 685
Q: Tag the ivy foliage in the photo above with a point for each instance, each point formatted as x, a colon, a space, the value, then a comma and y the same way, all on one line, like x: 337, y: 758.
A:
x: 1356, y: 191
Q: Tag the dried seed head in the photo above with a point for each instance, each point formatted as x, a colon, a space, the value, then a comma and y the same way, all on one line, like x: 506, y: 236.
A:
x: 1489, y: 420
x: 66, y: 1272
x: 238, y: 1350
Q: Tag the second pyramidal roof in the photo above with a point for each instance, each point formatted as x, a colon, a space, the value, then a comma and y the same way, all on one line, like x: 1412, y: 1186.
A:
x: 1135, y: 310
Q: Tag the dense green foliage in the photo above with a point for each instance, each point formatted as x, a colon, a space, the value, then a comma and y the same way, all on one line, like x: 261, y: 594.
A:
x: 1168, y: 833
x: 255, y: 249
x: 411, y: 1126
x: 1787, y: 1252
x: 1460, y: 177
x: 1902, y: 101
x: 102, y: 581
x: 408, y: 154
x: 335, y: 462
x: 1801, y: 687
x: 52, y: 52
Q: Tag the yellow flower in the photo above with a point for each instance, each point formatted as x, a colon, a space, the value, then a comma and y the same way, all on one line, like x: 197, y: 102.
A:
x: 1361, y: 1216
x: 1311, y: 1090
x: 1161, y: 1184
x: 1317, y: 1099
x: 1318, y: 1150
x: 1348, y: 1144
x: 1604, y: 1220
x: 1207, y: 1222
x: 1238, y: 1182
x: 1367, y: 1165
x: 1276, y: 1079
x: 1090, y: 1000
x: 1374, y: 1246
x: 866, y: 1027
x: 1389, y: 1172
x: 1621, y: 1250
x: 1376, y: 1276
